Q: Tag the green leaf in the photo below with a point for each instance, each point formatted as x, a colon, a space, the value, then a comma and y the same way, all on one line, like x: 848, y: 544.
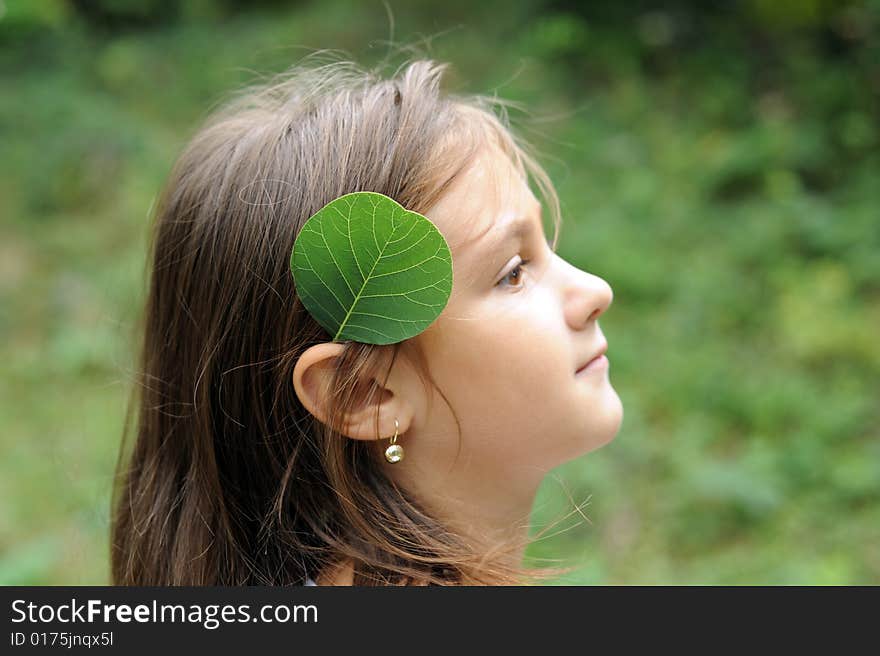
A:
x: 370, y: 271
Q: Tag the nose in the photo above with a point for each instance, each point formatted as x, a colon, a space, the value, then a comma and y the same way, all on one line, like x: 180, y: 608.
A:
x: 586, y: 296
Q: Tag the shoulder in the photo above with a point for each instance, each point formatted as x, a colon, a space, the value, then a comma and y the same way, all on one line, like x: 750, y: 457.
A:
x: 342, y: 574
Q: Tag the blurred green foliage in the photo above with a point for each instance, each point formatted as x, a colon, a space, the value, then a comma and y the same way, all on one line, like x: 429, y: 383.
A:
x: 718, y: 165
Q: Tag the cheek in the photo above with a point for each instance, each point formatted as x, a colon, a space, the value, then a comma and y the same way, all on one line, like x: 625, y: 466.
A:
x: 509, y: 358
x: 506, y: 361
x: 512, y: 397
x: 517, y: 381
x: 519, y: 352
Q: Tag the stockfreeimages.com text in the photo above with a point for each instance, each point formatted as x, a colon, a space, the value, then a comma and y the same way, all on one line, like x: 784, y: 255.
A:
x: 210, y: 616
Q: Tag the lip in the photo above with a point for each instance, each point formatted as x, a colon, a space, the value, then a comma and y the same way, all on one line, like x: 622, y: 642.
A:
x: 598, y: 359
x: 595, y: 364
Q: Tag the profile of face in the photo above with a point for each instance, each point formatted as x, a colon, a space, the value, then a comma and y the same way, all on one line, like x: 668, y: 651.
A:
x: 505, y: 351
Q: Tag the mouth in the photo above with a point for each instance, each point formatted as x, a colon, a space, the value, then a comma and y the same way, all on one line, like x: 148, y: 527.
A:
x: 597, y: 357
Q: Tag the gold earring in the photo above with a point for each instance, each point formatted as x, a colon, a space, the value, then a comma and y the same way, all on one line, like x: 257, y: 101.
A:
x: 394, y: 452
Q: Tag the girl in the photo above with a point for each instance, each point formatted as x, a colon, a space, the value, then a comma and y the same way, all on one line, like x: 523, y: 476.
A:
x: 259, y: 450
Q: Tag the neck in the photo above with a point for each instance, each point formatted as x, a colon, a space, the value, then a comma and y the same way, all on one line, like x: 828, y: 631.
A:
x: 492, y: 519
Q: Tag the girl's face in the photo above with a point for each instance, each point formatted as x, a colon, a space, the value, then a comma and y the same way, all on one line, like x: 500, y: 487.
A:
x: 519, y: 322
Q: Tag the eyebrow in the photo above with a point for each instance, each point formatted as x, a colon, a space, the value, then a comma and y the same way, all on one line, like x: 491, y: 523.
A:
x: 514, y: 229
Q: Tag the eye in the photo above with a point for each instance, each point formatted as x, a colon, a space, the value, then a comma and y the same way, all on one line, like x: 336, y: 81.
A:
x: 514, y: 274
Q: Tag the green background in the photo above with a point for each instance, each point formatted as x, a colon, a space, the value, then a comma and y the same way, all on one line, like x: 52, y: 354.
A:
x: 718, y: 167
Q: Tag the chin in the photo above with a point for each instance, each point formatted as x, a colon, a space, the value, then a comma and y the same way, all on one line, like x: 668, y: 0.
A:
x: 607, y: 427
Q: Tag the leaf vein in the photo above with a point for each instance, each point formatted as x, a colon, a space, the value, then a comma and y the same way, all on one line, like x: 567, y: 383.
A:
x: 341, y: 272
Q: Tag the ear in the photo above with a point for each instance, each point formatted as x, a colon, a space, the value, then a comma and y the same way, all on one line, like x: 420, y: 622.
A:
x: 312, y: 376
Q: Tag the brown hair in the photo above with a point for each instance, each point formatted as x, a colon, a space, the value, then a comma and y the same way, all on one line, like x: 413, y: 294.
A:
x: 230, y: 481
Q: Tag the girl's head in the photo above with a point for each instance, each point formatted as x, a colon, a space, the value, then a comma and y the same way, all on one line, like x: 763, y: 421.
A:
x: 257, y: 457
